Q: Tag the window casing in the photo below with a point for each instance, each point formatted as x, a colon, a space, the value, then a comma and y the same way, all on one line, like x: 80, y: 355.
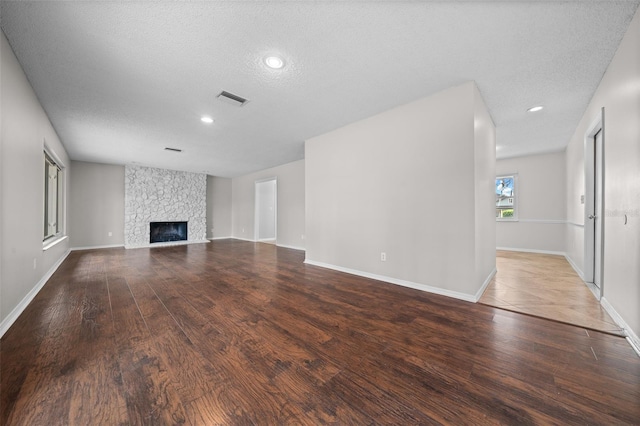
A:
x: 506, y: 197
x: 52, y: 198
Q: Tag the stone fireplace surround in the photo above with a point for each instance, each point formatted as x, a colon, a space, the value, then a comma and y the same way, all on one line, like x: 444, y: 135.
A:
x: 159, y: 195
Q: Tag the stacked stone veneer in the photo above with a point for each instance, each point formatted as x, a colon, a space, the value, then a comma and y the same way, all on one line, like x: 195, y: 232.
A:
x: 158, y: 195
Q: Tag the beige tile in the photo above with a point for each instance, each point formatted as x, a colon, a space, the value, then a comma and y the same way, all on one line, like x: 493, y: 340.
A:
x: 545, y: 286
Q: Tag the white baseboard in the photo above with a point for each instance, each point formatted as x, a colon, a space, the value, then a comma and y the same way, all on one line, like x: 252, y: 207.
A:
x: 485, y: 284
x: 279, y: 245
x: 525, y: 250
x: 593, y: 289
x: 545, y: 221
x: 631, y: 336
x: 291, y: 247
x: 167, y: 244
x: 574, y: 266
x: 417, y: 286
x: 219, y: 238
x: 53, y: 242
x: 15, y: 313
x: 97, y: 247
x: 243, y: 239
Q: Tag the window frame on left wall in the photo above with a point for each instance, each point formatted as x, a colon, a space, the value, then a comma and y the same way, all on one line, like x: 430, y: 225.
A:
x: 53, y: 200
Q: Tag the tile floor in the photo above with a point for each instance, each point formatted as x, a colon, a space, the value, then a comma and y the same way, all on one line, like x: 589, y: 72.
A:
x: 545, y: 286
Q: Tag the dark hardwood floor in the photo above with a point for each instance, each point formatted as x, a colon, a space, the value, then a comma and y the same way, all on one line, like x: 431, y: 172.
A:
x: 239, y: 333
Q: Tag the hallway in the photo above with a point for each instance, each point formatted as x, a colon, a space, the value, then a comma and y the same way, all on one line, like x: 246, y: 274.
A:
x: 545, y: 286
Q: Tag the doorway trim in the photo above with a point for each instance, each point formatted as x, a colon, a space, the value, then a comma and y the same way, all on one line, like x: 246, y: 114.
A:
x: 256, y: 215
x: 597, y: 126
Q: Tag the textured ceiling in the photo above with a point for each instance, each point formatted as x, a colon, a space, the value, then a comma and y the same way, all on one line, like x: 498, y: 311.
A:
x: 123, y: 80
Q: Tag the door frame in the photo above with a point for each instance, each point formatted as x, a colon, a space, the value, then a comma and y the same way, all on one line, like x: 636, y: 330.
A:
x: 256, y: 215
x: 596, y: 127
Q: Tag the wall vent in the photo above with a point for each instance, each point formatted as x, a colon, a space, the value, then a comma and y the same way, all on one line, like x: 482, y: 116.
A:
x: 173, y: 149
x: 232, y: 99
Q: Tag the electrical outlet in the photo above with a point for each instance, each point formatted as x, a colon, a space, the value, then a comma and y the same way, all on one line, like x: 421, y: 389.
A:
x: 111, y: 234
x: 35, y: 263
x: 383, y: 256
x: 243, y: 230
x: 302, y: 237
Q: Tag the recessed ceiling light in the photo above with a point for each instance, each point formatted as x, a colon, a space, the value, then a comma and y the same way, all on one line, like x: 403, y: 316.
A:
x: 206, y: 119
x: 274, y: 62
x: 535, y: 108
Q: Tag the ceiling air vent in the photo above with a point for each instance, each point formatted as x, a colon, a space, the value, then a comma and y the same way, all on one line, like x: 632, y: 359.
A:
x: 232, y: 99
x: 173, y: 149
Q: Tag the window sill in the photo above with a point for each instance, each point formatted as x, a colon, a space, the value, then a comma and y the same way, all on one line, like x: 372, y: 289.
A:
x: 54, y: 242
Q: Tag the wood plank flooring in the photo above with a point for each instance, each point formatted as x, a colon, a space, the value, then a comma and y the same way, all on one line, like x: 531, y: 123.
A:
x: 546, y: 286
x: 234, y: 332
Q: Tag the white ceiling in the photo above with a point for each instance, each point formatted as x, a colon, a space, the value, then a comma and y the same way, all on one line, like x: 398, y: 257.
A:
x: 121, y: 81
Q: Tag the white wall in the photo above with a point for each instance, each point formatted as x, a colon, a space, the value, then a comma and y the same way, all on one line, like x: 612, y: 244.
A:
x: 218, y: 207
x: 25, y: 127
x: 96, y: 205
x: 574, y: 172
x: 291, y: 204
x: 484, y: 177
x: 541, y: 203
x: 619, y: 94
x: 405, y: 182
x: 3, y: 48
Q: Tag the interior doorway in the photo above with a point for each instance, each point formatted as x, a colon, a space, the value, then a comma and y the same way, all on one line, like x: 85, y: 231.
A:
x: 594, y: 205
x: 266, y: 210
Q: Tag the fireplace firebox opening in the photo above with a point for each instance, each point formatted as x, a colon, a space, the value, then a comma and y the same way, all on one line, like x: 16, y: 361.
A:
x: 162, y: 232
